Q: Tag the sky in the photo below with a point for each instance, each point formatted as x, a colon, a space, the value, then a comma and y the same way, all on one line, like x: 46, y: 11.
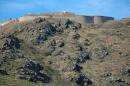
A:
x: 16, y: 8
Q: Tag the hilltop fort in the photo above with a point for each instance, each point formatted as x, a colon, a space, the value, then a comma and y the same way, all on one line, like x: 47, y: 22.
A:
x: 65, y: 49
x: 57, y: 16
x: 68, y: 15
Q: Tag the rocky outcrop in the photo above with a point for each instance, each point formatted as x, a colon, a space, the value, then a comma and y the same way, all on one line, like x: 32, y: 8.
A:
x: 3, y: 72
x: 77, y: 68
x: 46, y: 29
x: 31, y: 71
x: 82, y: 80
x: 11, y: 43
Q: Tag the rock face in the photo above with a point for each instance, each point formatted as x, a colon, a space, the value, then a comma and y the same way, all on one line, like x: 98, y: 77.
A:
x: 31, y: 71
x: 39, y: 20
x: 3, y: 72
x: 45, y: 31
x: 11, y: 42
x: 82, y: 80
x: 47, y: 28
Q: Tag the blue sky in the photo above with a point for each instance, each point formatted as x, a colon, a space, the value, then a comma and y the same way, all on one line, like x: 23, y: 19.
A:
x: 16, y: 8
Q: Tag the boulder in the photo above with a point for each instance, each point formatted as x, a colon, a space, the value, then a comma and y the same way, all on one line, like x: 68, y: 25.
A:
x: 11, y: 43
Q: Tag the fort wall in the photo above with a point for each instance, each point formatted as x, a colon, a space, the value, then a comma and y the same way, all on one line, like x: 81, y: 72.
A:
x: 101, y: 19
x: 76, y: 18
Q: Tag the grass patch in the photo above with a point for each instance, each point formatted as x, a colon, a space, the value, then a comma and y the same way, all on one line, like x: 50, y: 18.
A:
x: 8, y: 81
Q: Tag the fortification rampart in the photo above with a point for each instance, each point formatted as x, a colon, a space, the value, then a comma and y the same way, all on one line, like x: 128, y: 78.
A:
x: 101, y: 19
x: 76, y: 18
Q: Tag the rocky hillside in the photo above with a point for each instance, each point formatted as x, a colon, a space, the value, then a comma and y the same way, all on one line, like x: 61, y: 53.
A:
x: 44, y: 53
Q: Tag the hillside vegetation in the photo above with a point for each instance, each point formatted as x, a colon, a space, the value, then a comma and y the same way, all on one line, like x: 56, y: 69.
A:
x: 65, y: 53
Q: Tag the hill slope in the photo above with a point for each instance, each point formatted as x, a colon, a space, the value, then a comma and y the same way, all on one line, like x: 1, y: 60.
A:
x: 44, y: 53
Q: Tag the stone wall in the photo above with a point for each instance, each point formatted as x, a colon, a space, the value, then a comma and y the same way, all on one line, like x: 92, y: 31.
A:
x: 29, y: 18
x: 76, y: 18
x: 80, y: 19
x: 101, y: 19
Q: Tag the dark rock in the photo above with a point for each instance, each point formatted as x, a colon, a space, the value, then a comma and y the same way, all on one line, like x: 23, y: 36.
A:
x: 79, y: 60
x: 49, y: 29
x: 82, y: 80
x: 46, y: 30
x: 60, y: 44
x: 31, y: 71
x: 59, y: 29
x: 77, y: 68
x: 1, y: 62
x: 36, y: 77
x: 85, y: 56
x: 128, y: 72
x: 3, y: 72
x: 68, y: 23
x: 119, y: 80
x: 11, y: 43
x: 39, y: 20
x: 72, y: 25
x: 41, y: 38
x: 125, y: 71
x: 33, y: 66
